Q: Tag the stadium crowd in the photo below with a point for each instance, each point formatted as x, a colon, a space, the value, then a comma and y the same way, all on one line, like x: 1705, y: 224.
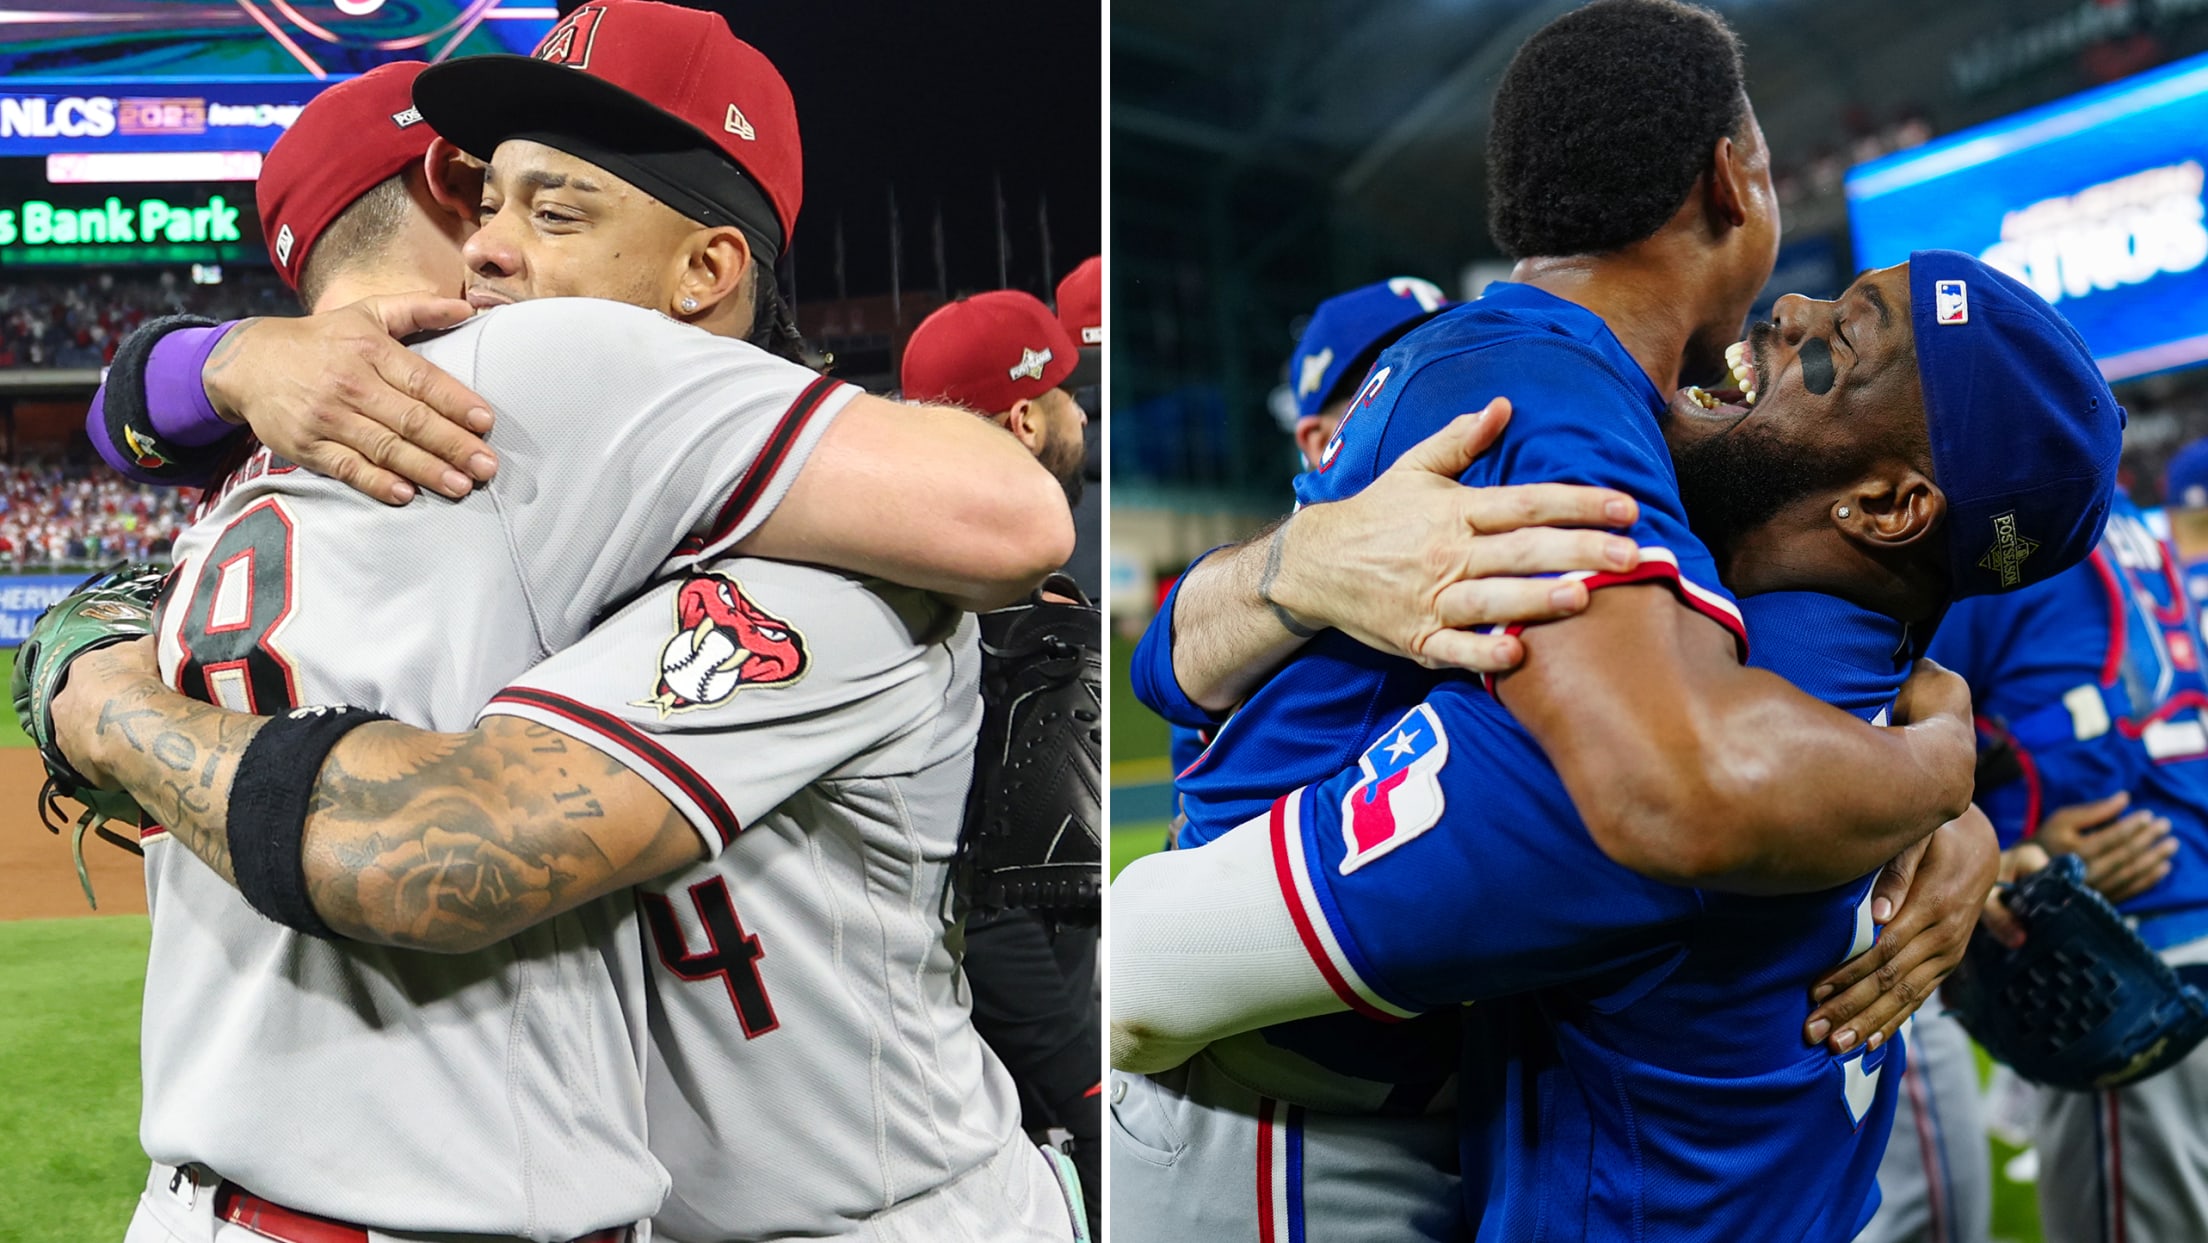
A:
x: 53, y: 514
x: 74, y: 321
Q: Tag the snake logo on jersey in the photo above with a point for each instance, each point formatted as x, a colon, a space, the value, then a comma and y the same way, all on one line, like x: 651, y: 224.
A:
x: 1400, y: 796
x: 723, y: 643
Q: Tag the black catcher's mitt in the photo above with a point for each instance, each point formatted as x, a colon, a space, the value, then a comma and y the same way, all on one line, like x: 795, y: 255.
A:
x: 1033, y: 838
x: 2084, y: 1004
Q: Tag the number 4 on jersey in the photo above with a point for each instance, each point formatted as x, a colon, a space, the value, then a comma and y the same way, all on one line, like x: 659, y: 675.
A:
x: 730, y: 953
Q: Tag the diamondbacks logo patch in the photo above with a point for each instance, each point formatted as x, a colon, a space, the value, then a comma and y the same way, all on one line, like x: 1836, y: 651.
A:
x: 569, y: 42
x: 2010, y: 548
x: 1400, y: 796
x: 724, y: 642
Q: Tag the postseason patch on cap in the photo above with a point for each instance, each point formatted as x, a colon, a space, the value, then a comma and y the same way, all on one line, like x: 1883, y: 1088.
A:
x: 1951, y: 302
x: 1031, y: 364
x: 410, y: 117
x: 2010, y: 548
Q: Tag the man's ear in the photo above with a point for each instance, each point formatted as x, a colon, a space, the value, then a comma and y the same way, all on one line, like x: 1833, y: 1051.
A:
x: 1892, y: 509
x: 1728, y: 184
x: 715, y: 264
x: 1311, y: 438
x: 454, y: 180
x: 1025, y: 421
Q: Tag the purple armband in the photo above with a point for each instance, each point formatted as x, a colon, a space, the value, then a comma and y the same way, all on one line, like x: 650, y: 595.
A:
x: 175, y: 404
x: 175, y: 395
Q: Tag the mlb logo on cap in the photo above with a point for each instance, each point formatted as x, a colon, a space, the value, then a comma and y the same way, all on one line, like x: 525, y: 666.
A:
x: 1951, y: 302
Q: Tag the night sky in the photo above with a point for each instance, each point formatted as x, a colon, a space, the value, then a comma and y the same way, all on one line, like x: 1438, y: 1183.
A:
x: 934, y: 98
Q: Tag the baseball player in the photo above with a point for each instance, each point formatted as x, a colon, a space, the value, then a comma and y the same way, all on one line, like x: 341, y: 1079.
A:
x: 1033, y: 967
x: 1656, y: 1082
x: 2184, y: 516
x: 1745, y: 800
x: 532, y: 1121
x: 954, y: 356
x: 1345, y: 334
x: 1079, y: 302
x: 2090, y: 689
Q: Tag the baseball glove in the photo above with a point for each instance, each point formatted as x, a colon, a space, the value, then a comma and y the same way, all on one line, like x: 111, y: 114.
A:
x: 2084, y: 1004
x: 1032, y: 838
x: 114, y: 606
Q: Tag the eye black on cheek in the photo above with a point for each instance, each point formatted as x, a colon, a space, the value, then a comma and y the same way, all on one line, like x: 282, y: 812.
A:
x: 1816, y: 358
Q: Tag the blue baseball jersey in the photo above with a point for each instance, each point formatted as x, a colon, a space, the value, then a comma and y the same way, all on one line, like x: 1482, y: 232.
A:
x: 1583, y: 412
x: 1650, y: 1081
x: 2093, y: 679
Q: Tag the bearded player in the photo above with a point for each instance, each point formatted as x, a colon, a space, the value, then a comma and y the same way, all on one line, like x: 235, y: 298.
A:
x: 1655, y: 1078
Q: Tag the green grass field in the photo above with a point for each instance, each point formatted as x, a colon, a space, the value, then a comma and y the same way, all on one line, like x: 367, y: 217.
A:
x: 70, y: 1165
x: 11, y: 734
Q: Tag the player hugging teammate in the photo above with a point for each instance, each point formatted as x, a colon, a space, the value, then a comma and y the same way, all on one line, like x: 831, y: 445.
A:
x: 556, y: 863
x: 1703, y: 838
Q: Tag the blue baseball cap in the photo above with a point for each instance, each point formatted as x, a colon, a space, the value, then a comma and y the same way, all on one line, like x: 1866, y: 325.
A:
x: 2185, y: 480
x: 2025, y: 433
x: 1351, y: 329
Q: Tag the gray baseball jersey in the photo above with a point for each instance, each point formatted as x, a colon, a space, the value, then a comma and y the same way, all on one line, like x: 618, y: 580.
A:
x: 813, y: 1059
x: 495, y: 1092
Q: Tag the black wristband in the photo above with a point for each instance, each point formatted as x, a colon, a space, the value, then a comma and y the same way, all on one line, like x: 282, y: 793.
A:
x: 268, y: 810
x: 128, y: 415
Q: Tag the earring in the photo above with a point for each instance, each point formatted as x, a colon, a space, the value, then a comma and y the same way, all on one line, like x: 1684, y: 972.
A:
x: 1843, y: 511
x: 689, y: 304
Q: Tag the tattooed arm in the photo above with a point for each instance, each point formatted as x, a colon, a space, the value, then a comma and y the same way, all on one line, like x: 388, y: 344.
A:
x: 445, y: 842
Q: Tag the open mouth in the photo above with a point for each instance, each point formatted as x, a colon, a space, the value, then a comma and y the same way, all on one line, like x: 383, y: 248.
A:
x: 1736, y: 396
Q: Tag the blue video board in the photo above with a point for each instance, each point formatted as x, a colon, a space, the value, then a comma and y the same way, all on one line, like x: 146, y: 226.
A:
x: 2095, y: 201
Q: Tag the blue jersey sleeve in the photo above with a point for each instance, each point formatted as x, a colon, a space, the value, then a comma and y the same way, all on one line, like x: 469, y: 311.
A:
x: 2034, y: 660
x: 1573, y: 420
x: 1150, y: 670
x: 1448, y: 867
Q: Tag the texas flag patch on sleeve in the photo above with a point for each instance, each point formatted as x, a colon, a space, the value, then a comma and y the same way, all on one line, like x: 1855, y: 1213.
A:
x: 1951, y: 302
x: 1400, y: 796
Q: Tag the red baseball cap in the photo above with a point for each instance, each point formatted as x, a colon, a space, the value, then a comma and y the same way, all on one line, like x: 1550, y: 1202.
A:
x: 1081, y: 301
x: 988, y: 352
x: 346, y: 141
x: 636, y: 85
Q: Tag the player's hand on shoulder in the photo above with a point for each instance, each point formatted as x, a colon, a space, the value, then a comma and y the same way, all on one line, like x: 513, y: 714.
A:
x: 337, y: 393
x: 2125, y: 854
x: 1938, y: 894
x: 1410, y: 563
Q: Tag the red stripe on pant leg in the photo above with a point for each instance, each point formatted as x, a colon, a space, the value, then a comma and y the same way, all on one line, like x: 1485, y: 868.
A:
x: 1927, y: 1148
x: 1265, y: 1107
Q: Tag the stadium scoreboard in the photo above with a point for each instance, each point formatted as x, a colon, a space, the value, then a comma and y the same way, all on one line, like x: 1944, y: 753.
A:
x: 2095, y: 201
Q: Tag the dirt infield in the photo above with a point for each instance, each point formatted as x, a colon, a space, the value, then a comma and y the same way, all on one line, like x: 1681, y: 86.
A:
x: 37, y: 878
